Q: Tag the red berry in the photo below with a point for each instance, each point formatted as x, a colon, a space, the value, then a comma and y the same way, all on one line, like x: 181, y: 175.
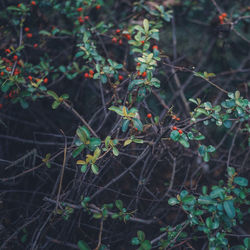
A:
x: 120, y: 77
x: 79, y: 9
x: 138, y: 73
x: 180, y: 131
x: 86, y: 75
x: 174, y: 128
x: 45, y: 80
x: 8, y: 69
x: 1, y: 105
x: 155, y: 47
x: 7, y: 51
x: 149, y: 115
x: 26, y: 29
x: 19, y: 5
x: 86, y: 17
x: 30, y: 78
x: 2, y: 73
x: 35, y: 45
x: 224, y: 15
x: 15, y: 57
x: 33, y: 3
x: 91, y: 72
x: 144, y: 74
x: 80, y: 20
x: 98, y: 6
x: 120, y: 42
x: 29, y: 35
x: 114, y: 40
x: 178, y: 119
x: 138, y: 64
x: 118, y: 31
x: 128, y: 37
x: 142, y: 42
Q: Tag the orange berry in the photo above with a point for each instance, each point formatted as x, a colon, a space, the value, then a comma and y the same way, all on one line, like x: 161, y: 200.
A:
x: 91, y: 72
x: 221, y: 18
x: 149, y: 115
x: 180, y: 131
x: 144, y: 74
x: 178, y: 119
x: 29, y: 35
x: 155, y: 47
x: 114, y: 40
x: 45, y: 80
x: 35, y: 45
x: 30, y: 78
x: 98, y: 6
x: 174, y: 117
x: 86, y: 75
x: 26, y: 29
x: 118, y: 31
x: 120, y: 42
x: 15, y: 57
x: 79, y: 9
x: 224, y: 15
x: 174, y: 128
x: 33, y: 3
x: 120, y: 77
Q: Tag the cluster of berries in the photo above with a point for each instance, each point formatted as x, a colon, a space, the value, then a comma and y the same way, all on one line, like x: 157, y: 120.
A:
x: 45, y: 80
x: 179, y: 130
x: 222, y: 17
x: 28, y: 34
x: 174, y: 117
x: 118, y: 38
x: 90, y: 74
x: 9, y: 63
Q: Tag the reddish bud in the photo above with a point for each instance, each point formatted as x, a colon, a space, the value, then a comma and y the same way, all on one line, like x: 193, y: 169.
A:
x: 155, y: 47
x: 114, y: 40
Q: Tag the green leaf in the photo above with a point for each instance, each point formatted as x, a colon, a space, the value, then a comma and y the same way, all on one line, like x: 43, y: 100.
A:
x: 205, y: 200
x: 53, y: 94
x: 241, y: 181
x: 119, y: 204
x: 125, y: 125
x: 83, y: 245
x: 138, y: 124
x: 229, y: 208
x: 210, y: 149
x: 94, y: 143
x: 94, y: 169
x: 135, y: 241
x: 173, y: 201
x: 184, y: 142
x: 146, y: 25
x: 146, y: 245
x: 115, y: 151
x: 141, y: 235
x: 175, y: 135
x: 247, y: 243
x: 188, y: 200
x: 218, y: 192
x: 127, y: 142
x: 117, y: 110
x: 55, y: 104
x: 84, y: 168
x: 77, y: 151
x: 138, y: 141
